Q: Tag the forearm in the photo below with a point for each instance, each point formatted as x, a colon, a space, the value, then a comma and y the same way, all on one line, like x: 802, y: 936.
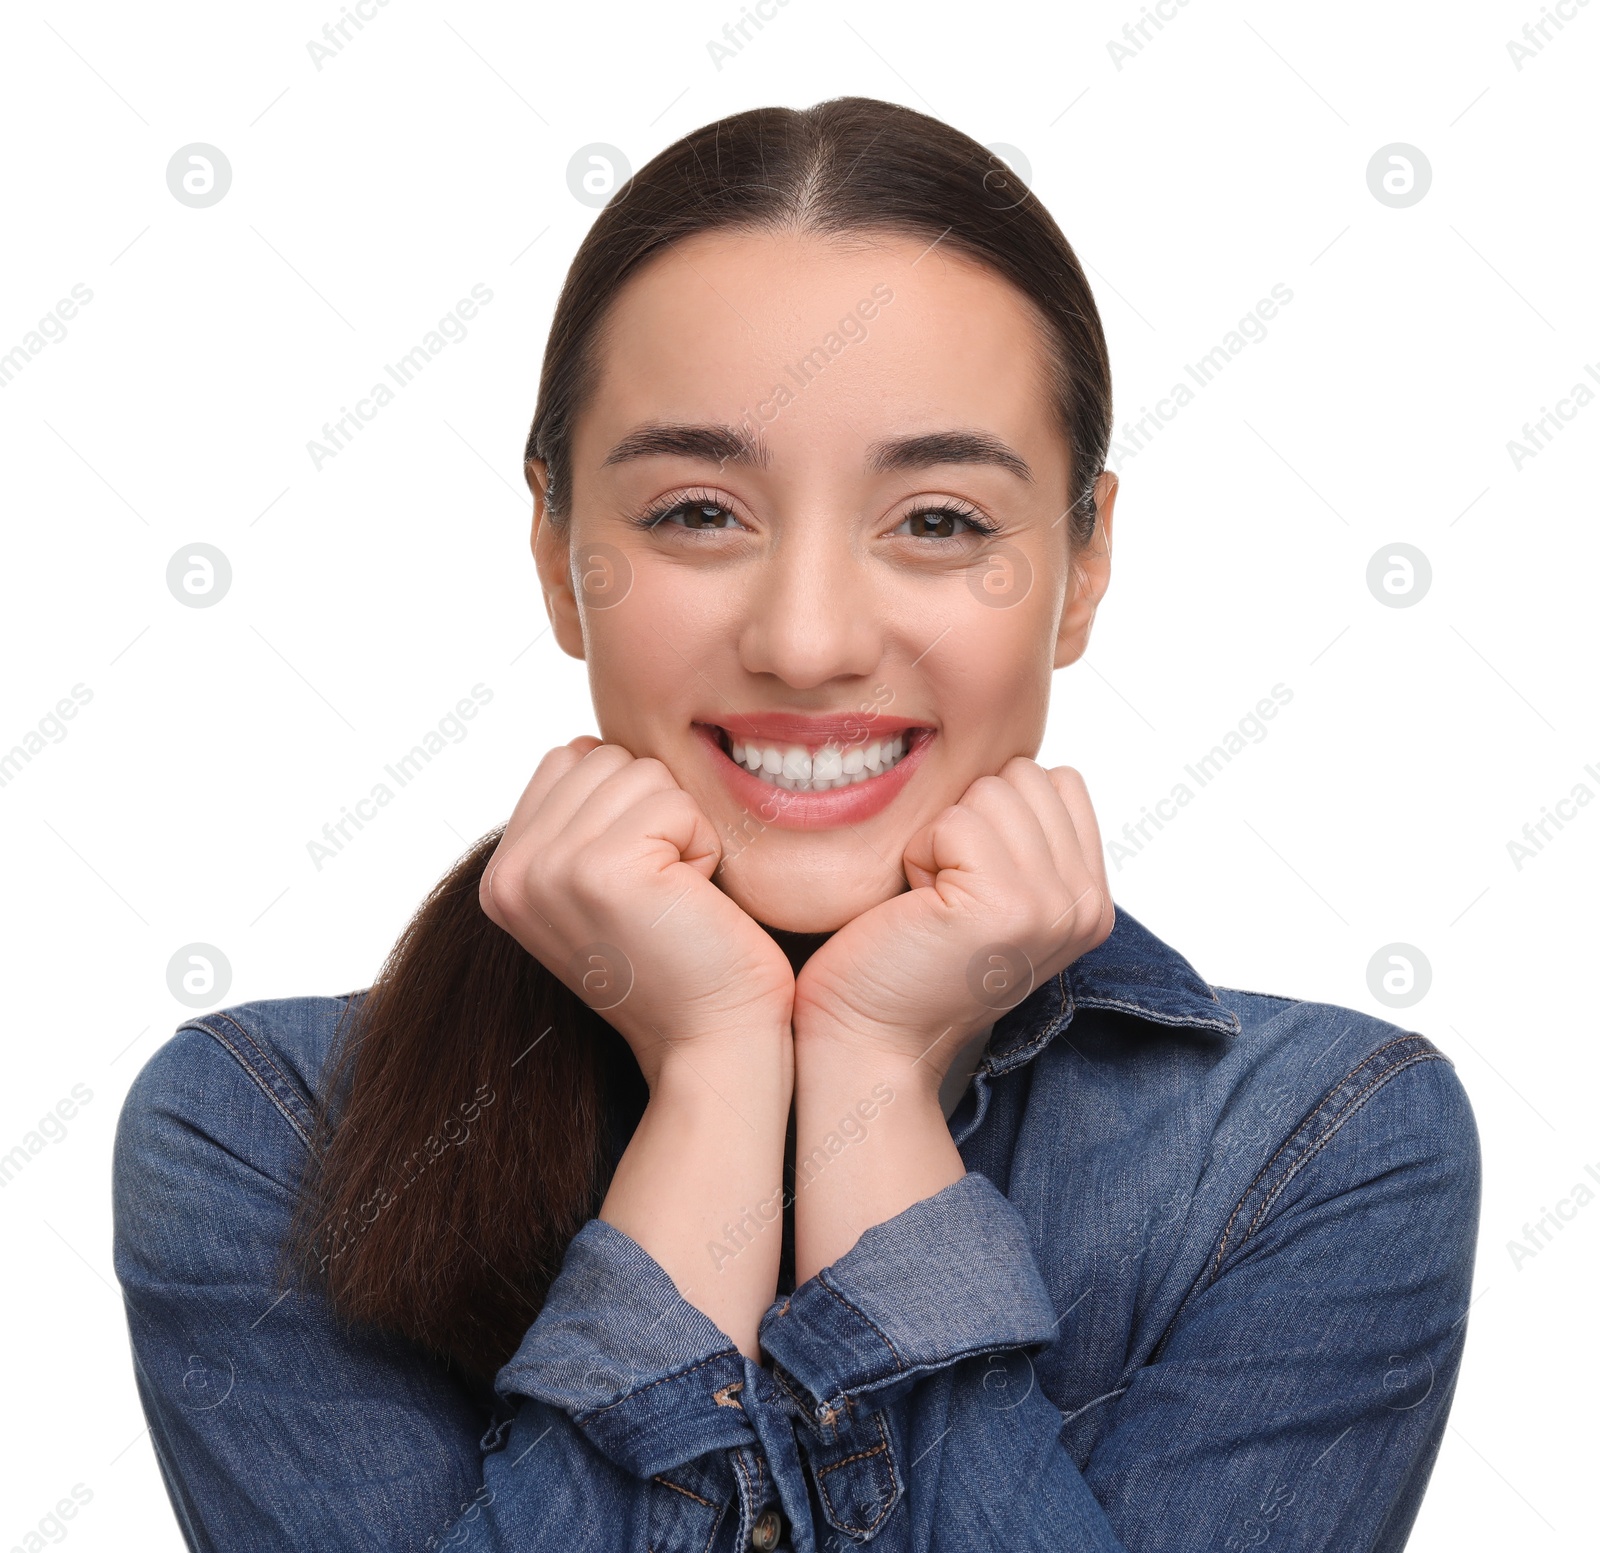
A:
x: 870, y: 1140
x: 700, y: 1186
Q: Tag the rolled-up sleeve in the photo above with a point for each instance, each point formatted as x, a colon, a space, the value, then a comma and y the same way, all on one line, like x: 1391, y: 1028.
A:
x: 645, y: 1376
x: 950, y: 1277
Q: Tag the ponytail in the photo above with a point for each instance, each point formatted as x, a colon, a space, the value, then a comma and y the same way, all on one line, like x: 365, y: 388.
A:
x: 461, y: 1138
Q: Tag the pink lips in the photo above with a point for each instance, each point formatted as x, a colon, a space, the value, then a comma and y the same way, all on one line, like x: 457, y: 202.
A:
x: 815, y: 811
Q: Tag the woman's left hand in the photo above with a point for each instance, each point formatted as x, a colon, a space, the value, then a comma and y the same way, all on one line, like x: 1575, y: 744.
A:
x: 1008, y: 886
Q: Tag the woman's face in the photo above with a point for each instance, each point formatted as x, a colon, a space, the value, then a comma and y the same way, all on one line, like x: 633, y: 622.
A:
x: 818, y: 556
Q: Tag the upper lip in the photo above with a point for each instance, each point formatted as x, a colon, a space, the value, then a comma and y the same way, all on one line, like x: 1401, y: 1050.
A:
x: 814, y: 730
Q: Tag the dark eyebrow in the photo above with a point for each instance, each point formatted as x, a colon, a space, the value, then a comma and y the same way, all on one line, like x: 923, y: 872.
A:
x: 715, y: 444
x: 733, y: 445
x: 946, y: 447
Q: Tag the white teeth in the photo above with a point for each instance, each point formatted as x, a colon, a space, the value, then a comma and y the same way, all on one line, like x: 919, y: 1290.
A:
x: 799, y: 770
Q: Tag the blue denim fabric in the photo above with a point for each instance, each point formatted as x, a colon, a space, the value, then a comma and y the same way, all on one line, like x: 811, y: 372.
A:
x: 1204, y: 1286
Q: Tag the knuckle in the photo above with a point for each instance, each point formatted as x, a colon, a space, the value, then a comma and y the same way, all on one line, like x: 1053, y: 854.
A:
x: 604, y: 759
x: 670, y: 802
x: 961, y: 822
x: 496, y: 893
x: 562, y: 756
x: 585, y: 880
x: 655, y: 769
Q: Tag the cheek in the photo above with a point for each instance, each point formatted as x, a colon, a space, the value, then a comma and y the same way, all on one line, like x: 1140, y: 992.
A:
x: 650, y: 671
x: 627, y: 687
x: 996, y: 667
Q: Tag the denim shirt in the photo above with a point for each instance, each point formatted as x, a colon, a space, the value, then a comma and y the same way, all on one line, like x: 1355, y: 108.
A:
x: 1203, y: 1286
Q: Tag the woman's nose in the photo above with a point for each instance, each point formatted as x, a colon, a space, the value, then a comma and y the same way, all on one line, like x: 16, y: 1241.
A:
x: 812, y: 615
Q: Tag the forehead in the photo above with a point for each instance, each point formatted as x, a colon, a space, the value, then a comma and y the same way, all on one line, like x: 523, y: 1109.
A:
x: 881, y: 332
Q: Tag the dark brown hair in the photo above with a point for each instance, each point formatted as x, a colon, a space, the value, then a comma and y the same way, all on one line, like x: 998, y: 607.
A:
x: 471, y: 1117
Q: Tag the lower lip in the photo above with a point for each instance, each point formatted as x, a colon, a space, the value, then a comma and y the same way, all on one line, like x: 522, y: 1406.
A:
x: 815, y: 811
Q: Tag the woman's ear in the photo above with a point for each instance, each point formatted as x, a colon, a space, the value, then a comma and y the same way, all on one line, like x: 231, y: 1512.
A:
x: 1088, y: 576
x: 553, y: 560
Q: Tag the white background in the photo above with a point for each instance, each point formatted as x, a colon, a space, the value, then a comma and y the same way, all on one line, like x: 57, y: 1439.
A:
x: 1228, y: 154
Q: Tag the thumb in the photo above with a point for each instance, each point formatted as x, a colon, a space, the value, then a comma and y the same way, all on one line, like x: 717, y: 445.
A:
x: 921, y: 858
x: 682, y: 824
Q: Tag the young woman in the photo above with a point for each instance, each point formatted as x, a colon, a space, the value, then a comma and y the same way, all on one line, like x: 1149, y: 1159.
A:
x: 773, y: 1137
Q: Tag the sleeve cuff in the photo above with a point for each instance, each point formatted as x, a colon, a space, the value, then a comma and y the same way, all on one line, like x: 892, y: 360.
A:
x: 652, y: 1381
x: 951, y: 1276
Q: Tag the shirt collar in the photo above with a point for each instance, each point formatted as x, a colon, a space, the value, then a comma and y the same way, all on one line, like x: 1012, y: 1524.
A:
x: 1132, y: 972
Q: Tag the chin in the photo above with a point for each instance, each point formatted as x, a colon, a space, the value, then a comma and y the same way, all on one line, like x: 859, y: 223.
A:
x: 789, y: 904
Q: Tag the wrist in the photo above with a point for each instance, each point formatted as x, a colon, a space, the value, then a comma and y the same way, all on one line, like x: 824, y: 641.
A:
x: 834, y: 1057
x: 751, y: 1070
x: 870, y: 1140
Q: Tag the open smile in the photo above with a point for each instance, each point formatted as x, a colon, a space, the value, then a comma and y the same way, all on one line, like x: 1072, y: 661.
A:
x: 811, y: 773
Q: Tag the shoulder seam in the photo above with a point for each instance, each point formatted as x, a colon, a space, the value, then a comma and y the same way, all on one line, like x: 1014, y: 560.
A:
x: 262, y: 1069
x: 1340, y: 1105
x: 1332, y: 1132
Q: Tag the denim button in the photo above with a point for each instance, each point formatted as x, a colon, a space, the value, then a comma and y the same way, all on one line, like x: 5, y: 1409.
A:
x: 766, y: 1531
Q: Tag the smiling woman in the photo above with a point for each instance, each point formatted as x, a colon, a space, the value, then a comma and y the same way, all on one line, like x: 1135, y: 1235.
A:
x: 843, y: 1166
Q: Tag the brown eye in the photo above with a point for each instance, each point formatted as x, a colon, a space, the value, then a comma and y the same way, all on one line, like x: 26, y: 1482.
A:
x: 941, y: 523
x: 698, y: 514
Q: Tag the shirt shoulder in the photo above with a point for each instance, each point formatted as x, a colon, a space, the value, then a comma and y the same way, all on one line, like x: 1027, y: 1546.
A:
x: 1320, y: 1097
x: 236, y: 1084
x: 1315, y: 1049
x: 1277, y: 1096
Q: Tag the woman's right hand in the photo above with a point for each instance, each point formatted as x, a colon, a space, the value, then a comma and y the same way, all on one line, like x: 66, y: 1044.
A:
x: 603, y: 874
